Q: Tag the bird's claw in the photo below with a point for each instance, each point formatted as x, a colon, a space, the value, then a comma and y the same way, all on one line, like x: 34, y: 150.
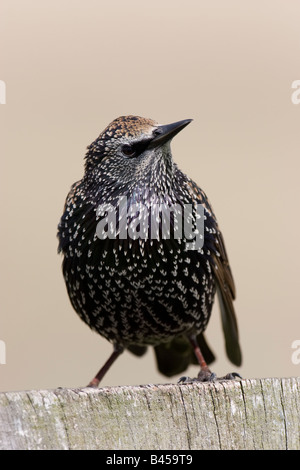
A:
x: 231, y: 376
x: 186, y: 380
x: 207, y: 376
x: 202, y: 377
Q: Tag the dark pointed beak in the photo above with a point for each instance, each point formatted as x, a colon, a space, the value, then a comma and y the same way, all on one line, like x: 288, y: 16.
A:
x: 163, y: 134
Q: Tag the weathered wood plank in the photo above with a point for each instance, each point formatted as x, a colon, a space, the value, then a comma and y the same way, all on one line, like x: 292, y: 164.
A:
x: 247, y: 414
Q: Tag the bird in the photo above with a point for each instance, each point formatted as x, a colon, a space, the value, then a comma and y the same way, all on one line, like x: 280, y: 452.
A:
x: 131, y: 274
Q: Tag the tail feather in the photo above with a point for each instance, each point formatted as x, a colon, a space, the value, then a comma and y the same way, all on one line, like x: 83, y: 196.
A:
x: 175, y: 356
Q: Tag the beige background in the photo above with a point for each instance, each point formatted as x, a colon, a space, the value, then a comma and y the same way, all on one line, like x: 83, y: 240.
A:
x: 70, y: 68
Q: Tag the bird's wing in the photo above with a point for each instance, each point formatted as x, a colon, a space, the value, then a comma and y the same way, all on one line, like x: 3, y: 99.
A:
x: 224, y: 279
x: 226, y: 295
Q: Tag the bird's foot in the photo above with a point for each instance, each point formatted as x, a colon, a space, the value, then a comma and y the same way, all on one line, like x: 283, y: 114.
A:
x: 93, y: 383
x: 231, y: 376
x: 208, y: 376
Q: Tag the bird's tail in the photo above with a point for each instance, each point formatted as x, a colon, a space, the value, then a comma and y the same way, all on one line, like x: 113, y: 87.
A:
x: 175, y: 356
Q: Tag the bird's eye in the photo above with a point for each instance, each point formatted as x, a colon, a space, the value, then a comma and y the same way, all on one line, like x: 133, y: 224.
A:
x: 128, y: 150
x: 157, y: 132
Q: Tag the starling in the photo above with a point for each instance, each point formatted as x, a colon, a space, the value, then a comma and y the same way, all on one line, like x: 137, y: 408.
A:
x: 139, y: 267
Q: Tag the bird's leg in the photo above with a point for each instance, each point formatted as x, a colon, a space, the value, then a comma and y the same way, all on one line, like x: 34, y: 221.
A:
x: 205, y: 374
x: 115, y: 354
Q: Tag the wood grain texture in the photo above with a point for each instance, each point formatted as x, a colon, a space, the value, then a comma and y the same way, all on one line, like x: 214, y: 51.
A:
x: 247, y: 414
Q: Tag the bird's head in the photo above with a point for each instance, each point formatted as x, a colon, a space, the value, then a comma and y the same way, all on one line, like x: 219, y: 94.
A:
x: 132, y: 150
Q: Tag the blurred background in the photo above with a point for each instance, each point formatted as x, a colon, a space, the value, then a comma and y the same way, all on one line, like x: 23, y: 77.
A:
x: 70, y: 68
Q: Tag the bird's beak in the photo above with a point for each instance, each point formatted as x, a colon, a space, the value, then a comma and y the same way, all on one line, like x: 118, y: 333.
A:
x: 165, y: 133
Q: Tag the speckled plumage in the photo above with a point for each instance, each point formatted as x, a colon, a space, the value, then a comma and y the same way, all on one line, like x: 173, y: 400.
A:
x: 148, y: 291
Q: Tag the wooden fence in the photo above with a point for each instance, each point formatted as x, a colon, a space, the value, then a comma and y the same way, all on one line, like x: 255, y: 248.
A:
x: 247, y: 414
